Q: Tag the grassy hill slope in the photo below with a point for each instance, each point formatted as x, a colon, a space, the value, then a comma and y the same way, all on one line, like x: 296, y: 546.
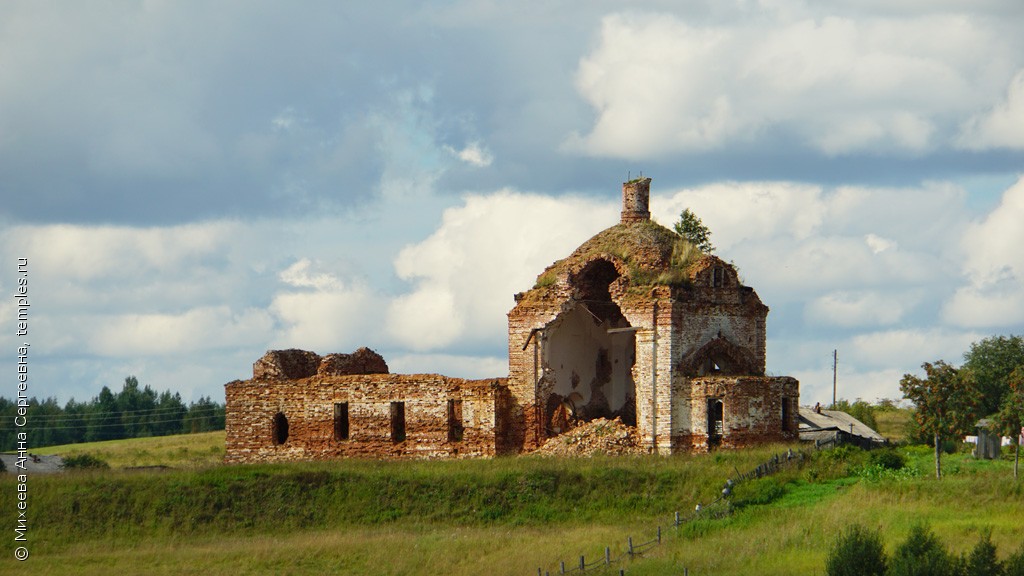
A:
x: 179, y: 451
x: 502, y: 516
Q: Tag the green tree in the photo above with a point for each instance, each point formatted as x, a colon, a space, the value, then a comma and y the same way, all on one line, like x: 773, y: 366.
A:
x: 982, y: 560
x: 1014, y: 565
x: 992, y: 360
x: 921, y: 554
x: 104, y: 422
x: 137, y: 407
x: 75, y: 420
x: 860, y: 410
x: 1009, y: 421
x: 204, y: 415
x: 857, y: 552
x: 169, y: 415
x: 692, y: 229
x: 945, y: 401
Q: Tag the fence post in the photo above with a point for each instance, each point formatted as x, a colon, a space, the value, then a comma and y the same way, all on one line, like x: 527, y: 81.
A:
x: 607, y: 555
x: 659, y: 534
x: 629, y: 541
x: 562, y: 566
x: 677, y: 519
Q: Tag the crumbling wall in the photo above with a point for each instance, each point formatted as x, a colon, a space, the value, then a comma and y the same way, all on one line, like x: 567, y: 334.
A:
x: 719, y: 319
x: 308, y: 407
x: 291, y: 363
x: 752, y: 405
x: 362, y: 361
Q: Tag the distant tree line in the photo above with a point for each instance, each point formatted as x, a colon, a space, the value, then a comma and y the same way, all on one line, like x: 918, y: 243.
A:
x: 133, y: 412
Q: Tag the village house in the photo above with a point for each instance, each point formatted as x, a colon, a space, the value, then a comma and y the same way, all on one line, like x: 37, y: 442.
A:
x: 636, y: 324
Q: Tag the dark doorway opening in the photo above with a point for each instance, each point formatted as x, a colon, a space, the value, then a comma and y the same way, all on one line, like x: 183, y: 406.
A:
x: 716, y: 421
x: 455, y: 427
x: 279, y: 429
x: 397, y: 421
x: 341, y: 421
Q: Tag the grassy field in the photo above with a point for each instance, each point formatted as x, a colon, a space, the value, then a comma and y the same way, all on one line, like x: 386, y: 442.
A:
x: 893, y: 423
x: 181, y: 451
x: 501, y: 516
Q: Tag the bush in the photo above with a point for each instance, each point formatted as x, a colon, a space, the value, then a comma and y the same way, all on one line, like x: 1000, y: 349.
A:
x: 84, y: 462
x: 1014, y: 565
x: 3, y: 467
x: 857, y: 551
x: 860, y: 410
x: 982, y: 559
x: 888, y: 459
x: 921, y: 554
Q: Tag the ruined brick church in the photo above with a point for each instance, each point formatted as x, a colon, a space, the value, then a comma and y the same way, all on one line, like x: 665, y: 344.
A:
x: 635, y: 324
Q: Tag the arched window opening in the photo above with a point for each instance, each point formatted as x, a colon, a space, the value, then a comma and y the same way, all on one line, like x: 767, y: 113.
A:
x: 279, y: 430
x: 716, y: 421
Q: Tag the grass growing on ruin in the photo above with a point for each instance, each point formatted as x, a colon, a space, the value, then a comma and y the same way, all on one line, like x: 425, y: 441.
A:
x: 179, y: 451
x: 502, y: 516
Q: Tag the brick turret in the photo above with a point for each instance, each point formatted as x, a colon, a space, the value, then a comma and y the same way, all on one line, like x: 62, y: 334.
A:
x: 635, y: 196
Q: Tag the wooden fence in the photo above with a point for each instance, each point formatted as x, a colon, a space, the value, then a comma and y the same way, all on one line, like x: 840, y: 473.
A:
x: 717, y: 508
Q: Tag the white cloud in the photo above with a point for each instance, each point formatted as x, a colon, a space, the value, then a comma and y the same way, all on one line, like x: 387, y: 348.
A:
x: 793, y: 242
x: 840, y: 83
x: 739, y: 212
x: 877, y: 244
x: 851, y: 384
x: 85, y: 253
x: 865, y: 308
x: 127, y: 335
x: 339, y: 319
x: 474, y: 154
x: 300, y: 275
x: 652, y: 88
x: 449, y: 365
x: 485, y: 251
x: 1000, y: 127
x: 993, y: 271
x: 910, y: 347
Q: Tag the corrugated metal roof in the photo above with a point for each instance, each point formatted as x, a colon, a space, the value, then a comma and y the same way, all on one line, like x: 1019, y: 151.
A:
x: 835, y: 420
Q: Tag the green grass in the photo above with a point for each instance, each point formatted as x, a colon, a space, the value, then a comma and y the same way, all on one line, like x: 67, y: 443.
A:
x: 180, y: 451
x: 500, y: 516
x: 893, y: 423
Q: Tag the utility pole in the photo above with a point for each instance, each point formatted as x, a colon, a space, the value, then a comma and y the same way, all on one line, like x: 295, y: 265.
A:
x: 835, y: 364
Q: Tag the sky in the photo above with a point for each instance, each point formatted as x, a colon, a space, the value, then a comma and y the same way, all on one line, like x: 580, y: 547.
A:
x: 194, y: 183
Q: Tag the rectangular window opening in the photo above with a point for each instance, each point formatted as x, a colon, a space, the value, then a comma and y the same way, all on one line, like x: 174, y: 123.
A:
x: 786, y: 426
x: 398, y: 421
x: 341, y: 421
x: 455, y: 426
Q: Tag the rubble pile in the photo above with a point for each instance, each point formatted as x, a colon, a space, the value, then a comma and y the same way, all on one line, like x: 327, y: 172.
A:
x: 600, y: 436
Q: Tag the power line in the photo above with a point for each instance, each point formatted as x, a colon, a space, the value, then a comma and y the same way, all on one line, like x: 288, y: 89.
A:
x: 64, y: 415
x: 29, y: 427
x: 90, y: 420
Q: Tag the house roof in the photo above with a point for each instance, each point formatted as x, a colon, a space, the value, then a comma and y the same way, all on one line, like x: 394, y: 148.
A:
x: 811, y: 421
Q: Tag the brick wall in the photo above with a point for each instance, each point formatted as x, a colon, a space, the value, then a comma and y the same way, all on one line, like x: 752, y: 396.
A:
x: 308, y: 405
x: 752, y: 410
